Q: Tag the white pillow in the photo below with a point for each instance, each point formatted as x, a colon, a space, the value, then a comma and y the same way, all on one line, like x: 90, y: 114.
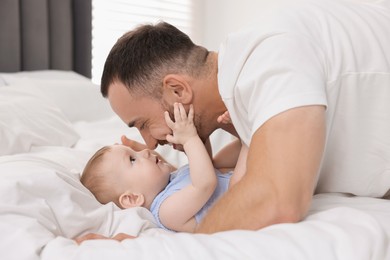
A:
x: 28, y: 119
x: 79, y: 100
x: 2, y: 82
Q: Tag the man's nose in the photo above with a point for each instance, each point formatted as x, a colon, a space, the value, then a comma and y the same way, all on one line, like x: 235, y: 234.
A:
x: 150, y: 142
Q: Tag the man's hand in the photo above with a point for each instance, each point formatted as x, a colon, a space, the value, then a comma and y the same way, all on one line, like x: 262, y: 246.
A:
x: 92, y: 236
x: 136, y: 146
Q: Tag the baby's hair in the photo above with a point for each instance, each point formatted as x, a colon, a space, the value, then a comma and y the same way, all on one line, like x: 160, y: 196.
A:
x: 95, y: 179
x: 93, y: 161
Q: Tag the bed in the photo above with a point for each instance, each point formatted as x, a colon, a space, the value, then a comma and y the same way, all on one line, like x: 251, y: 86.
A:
x: 53, y: 118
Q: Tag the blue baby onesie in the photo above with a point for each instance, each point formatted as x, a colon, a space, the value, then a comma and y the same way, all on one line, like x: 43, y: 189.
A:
x: 180, y: 179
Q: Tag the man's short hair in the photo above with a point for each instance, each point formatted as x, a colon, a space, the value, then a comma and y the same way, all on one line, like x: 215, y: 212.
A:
x: 142, y: 57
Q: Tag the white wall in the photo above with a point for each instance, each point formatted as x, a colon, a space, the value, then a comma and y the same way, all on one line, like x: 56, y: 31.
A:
x: 219, y: 17
x: 216, y: 18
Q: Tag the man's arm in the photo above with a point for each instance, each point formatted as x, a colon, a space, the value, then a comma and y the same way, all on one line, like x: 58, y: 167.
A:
x: 283, y: 161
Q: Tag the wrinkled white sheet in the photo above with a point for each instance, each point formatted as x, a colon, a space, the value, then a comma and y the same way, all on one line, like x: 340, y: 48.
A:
x: 43, y: 206
x: 340, y: 232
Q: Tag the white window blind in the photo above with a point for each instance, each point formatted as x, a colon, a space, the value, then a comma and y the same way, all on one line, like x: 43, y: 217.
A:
x: 112, y: 18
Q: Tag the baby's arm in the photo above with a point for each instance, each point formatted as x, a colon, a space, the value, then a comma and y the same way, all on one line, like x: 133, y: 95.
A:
x: 177, y: 212
x: 233, y: 155
x: 240, y: 169
x: 227, y: 157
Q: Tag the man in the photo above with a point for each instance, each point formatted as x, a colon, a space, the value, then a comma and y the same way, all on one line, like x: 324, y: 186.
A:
x: 308, y: 92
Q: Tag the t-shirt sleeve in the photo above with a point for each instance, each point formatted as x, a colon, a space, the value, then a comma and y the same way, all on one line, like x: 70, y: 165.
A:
x: 284, y: 71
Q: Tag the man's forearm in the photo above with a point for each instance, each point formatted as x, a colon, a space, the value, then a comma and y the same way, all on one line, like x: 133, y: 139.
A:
x: 242, y: 207
x: 282, y: 165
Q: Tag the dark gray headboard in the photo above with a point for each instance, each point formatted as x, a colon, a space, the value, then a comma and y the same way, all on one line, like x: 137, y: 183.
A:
x: 45, y: 34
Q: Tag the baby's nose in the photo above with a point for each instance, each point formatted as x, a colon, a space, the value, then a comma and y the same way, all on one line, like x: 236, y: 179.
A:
x: 146, y: 153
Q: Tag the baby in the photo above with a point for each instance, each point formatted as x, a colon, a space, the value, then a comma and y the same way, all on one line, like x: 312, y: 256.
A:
x: 178, y: 199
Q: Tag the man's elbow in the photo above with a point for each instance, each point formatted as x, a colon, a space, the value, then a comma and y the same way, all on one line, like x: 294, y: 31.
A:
x: 288, y: 216
x: 290, y: 212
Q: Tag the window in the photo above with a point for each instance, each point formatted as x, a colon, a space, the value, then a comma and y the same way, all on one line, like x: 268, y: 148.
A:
x: 112, y: 18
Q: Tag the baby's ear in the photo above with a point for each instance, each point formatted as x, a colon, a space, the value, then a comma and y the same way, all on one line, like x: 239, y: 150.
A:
x: 129, y: 200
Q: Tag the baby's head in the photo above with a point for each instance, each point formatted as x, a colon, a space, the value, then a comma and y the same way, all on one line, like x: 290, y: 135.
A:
x: 128, y: 178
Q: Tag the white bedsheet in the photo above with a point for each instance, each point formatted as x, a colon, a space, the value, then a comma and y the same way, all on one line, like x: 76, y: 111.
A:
x: 341, y: 232
x: 43, y: 206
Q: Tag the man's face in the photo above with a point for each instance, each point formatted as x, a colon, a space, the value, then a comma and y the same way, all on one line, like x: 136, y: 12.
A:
x: 144, y: 113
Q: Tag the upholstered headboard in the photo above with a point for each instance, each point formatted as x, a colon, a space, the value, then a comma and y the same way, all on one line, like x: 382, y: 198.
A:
x: 45, y: 34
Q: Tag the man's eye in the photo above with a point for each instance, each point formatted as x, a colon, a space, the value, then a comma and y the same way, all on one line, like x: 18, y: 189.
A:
x: 132, y: 159
x: 142, y: 127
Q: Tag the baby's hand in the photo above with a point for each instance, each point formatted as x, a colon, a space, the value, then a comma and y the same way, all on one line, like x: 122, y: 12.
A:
x: 183, y: 128
x: 224, y: 118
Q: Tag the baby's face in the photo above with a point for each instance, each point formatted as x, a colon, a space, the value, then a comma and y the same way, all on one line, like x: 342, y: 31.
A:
x: 140, y: 171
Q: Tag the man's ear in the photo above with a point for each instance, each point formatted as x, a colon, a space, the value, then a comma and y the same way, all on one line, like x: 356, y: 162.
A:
x: 130, y: 200
x: 176, y: 88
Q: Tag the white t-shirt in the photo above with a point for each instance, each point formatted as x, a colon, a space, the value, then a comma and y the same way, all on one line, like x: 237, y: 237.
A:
x: 335, y: 54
